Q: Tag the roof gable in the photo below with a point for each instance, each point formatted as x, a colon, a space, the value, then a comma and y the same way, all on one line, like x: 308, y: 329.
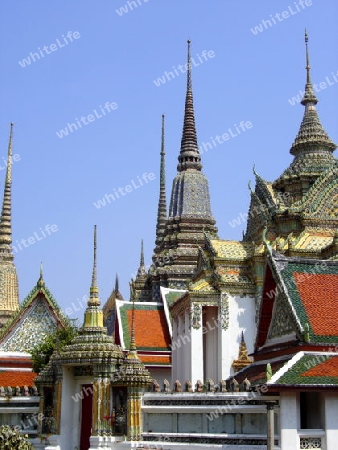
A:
x: 151, y: 327
x: 38, y: 312
x: 299, y: 293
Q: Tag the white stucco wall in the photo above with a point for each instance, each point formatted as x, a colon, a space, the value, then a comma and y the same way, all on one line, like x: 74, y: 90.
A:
x: 241, y: 318
x: 331, y: 420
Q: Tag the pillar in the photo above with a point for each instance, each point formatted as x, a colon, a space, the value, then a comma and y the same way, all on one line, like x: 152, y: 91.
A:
x: 271, y: 426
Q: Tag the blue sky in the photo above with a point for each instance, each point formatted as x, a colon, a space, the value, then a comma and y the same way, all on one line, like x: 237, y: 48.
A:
x: 114, y: 55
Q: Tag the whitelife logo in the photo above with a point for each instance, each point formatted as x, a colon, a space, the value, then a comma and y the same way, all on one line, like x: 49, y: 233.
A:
x: 47, y: 50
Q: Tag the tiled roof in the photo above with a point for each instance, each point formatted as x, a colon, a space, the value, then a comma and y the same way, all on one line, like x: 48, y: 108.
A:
x: 309, y: 294
x: 310, y: 369
x: 17, y: 378
x: 151, y: 328
x: 155, y: 359
x: 312, y: 289
x: 256, y: 372
x: 232, y: 249
x: 319, y: 295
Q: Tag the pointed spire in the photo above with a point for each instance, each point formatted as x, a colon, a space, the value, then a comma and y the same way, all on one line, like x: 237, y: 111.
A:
x: 162, y: 202
x: 309, y: 96
x: 94, y: 291
x: 41, y: 280
x: 142, y: 269
x: 189, y: 156
x: 116, y: 289
x: 311, y: 135
x: 6, y: 214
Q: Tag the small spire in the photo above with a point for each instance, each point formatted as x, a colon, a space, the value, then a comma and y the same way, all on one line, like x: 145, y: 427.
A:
x: 40, y: 280
x: 189, y: 157
x: 309, y: 96
x: 142, y: 269
x: 116, y: 289
x: 162, y: 202
x: 132, y: 334
x: 94, y: 291
x: 6, y: 214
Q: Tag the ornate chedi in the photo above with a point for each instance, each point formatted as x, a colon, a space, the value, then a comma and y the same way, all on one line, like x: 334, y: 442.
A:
x: 300, y: 207
x: 9, y: 289
x: 133, y: 374
x: 92, y: 351
x: 179, y: 236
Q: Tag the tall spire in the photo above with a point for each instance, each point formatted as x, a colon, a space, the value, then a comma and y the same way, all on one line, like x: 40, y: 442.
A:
x: 6, y: 214
x: 189, y: 157
x: 142, y: 269
x: 162, y: 202
x: 94, y: 291
x: 311, y: 135
x: 9, y: 293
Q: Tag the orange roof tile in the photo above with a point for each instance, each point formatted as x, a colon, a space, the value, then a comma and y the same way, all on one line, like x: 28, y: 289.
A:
x: 319, y: 293
x: 151, y: 329
x: 13, y: 379
x: 154, y: 359
x: 328, y: 368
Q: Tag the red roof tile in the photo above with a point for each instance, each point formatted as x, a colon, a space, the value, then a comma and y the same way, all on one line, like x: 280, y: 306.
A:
x: 328, y: 368
x: 13, y: 379
x: 154, y: 359
x: 151, y: 329
x: 319, y: 294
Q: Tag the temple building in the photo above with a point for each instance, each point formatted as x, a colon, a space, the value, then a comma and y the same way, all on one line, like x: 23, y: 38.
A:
x: 222, y: 343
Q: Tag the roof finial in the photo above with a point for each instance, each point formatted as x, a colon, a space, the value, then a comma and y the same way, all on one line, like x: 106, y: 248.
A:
x: 189, y: 157
x: 307, y: 58
x: 309, y: 96
x: 40, y: 280
x: 142, y: 269
x: 6, y: 214
x: 94, y: 291
x: 132, y: 334
x: 116, y: 289
x: 162, y: 202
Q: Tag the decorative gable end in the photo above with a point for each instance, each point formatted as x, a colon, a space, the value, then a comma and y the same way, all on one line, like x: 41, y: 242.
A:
x: 36, y: 322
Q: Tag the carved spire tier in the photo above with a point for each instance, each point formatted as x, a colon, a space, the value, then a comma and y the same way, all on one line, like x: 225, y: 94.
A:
x: 162, y: 202
x: 9, y: 292
x: 189, y: 157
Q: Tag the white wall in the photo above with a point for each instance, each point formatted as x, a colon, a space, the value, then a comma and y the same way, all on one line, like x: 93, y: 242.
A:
x: 331, y: 420
x: 289, y: 421
x: 241, y: 318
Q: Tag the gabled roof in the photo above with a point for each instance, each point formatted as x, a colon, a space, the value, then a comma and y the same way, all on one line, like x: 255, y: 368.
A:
x: 232, y: 250
x: 39, y: 311
x: 151, y: 326
x: 303, y: 291
x: 308, y: 369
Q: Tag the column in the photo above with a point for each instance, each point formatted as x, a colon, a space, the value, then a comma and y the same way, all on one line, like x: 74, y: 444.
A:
x: 271, y: 426
x: 196, y: 337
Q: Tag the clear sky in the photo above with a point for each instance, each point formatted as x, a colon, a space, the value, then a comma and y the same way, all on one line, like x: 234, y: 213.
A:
x: 62, y: 61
